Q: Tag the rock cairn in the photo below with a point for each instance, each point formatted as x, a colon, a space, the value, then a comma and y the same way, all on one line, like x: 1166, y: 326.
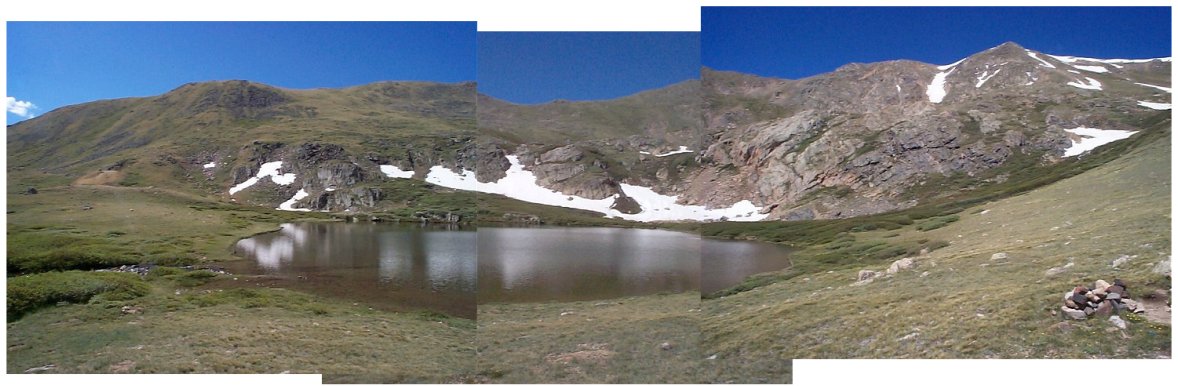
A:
x: 1103, y: 299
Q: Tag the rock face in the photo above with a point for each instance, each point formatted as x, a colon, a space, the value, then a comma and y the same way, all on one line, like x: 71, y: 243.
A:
x: 864, y: 138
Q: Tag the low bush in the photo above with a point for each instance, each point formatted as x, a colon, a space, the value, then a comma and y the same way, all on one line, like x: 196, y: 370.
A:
x: 30, y: 292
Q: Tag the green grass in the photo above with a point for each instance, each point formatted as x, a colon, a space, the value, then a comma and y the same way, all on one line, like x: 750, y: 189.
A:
x: 524, y: 343
x: 957, y: 302
x: 31, y: 292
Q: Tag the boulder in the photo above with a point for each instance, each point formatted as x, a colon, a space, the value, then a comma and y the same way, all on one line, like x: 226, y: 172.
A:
x: 1117, y: 321
x: 1163, y: 267
x: 1105, y: 308
x: 1101, y: 285
x: 900, y: 265
x: 1073, y: 313
x: 867, y: 275
x: 1133, y: 306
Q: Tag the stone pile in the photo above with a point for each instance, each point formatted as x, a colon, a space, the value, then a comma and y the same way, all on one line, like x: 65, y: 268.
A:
x: 1103, y: 299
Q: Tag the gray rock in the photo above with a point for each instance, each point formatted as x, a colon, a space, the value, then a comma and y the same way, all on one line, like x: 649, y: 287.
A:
x: 866, y: 275
x: 1059, y: 270
x: 1113, y: 296
x: 900, y: 265
x: 1121, y: 260
x: 1163, y: 267
x: 998, y: 256
x: 1117, y: 321
x: 41, y: 369
x: 666, y: 346
x: 1133, y: 306
x: 1073, y: 313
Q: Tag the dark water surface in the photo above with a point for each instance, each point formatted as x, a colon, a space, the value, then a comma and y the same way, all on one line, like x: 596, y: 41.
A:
x: 725, y: 263
x: 397, y: 267
x: 570, y: 264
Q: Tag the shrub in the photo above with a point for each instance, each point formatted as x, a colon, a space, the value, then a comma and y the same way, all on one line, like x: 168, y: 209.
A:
x: 30, y: 292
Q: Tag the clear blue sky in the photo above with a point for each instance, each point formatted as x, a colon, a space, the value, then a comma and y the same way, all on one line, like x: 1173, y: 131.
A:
x: 537, y: 67
x: 57, y: 64
x: 796, y: 42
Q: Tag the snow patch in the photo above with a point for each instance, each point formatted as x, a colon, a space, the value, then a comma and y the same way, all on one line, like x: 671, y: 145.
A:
x: 395, y: 172
x: 269, y: 169
x: 1092, y: 138
x: 936, y: 90
x: 1074, y: 71
x: 983, y: 78
x: 1166, y: 89
x: 1154, y: 105
x: 1112, y: 62
x: 1036, y: 57
x: 289, y: 204
x: 1091, y: 68
x: 1091, y: 84
x: 951, y: 65
x: 682, y: 149
x: 210, y: 165
x: 1032, y: 79
x: 521, y: 184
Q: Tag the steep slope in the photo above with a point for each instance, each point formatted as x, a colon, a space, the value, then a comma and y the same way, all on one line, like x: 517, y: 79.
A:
x: 870, y: 138
x: 328, y: 149
x: 984, y: 286
x: 623, y: 158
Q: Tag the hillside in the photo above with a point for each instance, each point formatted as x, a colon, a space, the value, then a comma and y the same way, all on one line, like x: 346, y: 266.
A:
x: 984, y: 284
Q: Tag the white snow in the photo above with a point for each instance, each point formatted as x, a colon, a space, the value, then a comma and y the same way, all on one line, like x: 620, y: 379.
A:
x: 1154, y: 105
x: 951, y: 65
x: 269, y: 169
x: 395, y: 172
x: 1091, y: 84
x: 521, y: 184
x: 1074, y: 71
x: 1166, y: 89
x: 289, y: 204
x: 983, y: 78
x: 682, y: 149
x: 1092, y: 138
x: 1036, y: 57
x: 936, y: 90
x: 329, y: 189
x: 898, y: 89
x: 1112, y: 62
x: 210, y: 165
x: 1032, y: 79
x: 1091, y: 68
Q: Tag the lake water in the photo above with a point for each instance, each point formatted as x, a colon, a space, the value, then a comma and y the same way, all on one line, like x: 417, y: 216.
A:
x: 407, y: 267
x: 726, y: 263
x: 388, y: 266
x: 570, y: 264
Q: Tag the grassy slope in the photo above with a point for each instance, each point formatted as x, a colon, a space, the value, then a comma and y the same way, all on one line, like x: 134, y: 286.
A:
x: 969, y: 306
x: 273, y: 330
x: 521, y: 343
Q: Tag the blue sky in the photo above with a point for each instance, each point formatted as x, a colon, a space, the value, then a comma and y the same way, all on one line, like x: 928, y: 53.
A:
x: 56, y: 64
x: 796, y: 42
x: 537, y: 67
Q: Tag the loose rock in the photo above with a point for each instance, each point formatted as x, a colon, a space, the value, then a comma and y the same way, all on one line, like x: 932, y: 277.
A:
x: 900, y: 265
x: 1117, y: 321
x: 1074, y: 313
x: 998, y: 256
x: 866, y: 275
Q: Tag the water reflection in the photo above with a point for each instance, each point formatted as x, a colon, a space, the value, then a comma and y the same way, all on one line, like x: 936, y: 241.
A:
x: 388, y: 265
x: 542, y: 264
x: 726, y: 263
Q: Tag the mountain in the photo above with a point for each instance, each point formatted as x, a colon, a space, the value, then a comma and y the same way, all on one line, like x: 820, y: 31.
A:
x: 222, y: 138
x: 871, y: 138
x: 863, y: 139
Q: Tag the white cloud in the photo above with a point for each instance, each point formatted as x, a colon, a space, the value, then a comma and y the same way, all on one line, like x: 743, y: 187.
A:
x: 23, y: 109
